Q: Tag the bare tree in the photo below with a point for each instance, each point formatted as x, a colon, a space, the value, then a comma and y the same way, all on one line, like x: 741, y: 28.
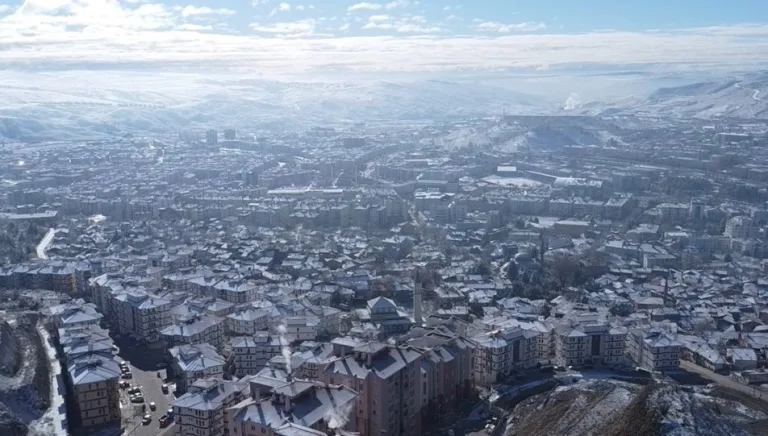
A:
x: 564, y: 269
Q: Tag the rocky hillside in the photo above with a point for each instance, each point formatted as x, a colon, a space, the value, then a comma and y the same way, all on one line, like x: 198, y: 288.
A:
x: 24, y: 374
x: 613, y: 408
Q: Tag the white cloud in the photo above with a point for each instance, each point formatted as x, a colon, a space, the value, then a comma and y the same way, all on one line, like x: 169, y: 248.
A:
x: 5, y: 8
x: 195, y: 27
x: 378, y: 18
x: 365, y: 6
x: 344, y: 27
x: 282, y: 7
x: 193, y: 11
x: 415, y: 28
x: 293, y: 28
x: 256, y: 3
x: 400, y: 4
x: 59, y: 33
x: 300, y: 7
x: 493, y: 26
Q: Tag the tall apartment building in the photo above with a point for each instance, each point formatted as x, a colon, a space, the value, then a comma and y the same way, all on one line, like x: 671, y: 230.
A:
x: 93, y: 383
x: 194, y: 362
x: 251, y: 353
x: 590, y: 344
x: 201, y: 411
x: 498, y: 353
x: 654, y: 350
x: 142, y: 315
x: 446, y: 378
x: 387, y: 380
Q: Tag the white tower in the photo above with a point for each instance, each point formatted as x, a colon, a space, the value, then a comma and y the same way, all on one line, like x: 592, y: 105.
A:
x: 417, y: 301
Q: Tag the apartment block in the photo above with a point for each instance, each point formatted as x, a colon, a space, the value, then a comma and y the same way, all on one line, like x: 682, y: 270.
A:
x: 196, y: 329
x: 74, y: 314
x: 387, y: 381
x: 498, y: 353
x: 201, y: 411
x: 297, y: 407
x: 247, y: 321
x: 653, y: 351
x: 93, y: 383
x: 590, y: 344
x: 142, y: 315
x: 251, y: 353
x: 194, y: 362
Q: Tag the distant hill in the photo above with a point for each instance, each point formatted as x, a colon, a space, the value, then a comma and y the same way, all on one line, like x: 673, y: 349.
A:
x: 745, y: 97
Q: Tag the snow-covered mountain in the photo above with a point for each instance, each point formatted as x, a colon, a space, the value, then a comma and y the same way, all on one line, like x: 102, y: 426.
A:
x: 743, y: 97
x: 83, y: 109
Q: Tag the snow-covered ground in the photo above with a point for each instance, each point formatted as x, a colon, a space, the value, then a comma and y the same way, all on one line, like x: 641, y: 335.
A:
x: 52, y: 422
x: 42, y: 247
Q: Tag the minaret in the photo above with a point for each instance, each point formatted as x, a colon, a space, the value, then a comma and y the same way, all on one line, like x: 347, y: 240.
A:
x: 417, y: 301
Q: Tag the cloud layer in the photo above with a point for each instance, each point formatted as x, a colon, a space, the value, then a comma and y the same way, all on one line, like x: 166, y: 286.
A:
x: 83, y: 33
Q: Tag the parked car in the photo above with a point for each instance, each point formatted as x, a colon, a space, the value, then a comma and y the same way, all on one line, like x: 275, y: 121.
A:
x: 164, y: 420
x: 165, y: 389
x: 147, y: 419
x: 137, y: 399
x: 134, y: 390
x: 127, y: 375
x: 152, y: 406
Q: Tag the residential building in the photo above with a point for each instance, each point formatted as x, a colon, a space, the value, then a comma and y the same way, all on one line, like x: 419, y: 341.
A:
x: 247, y: 321
x: 93, y: 383
x: 589, y: 344
x: 75, y: 314
x: 251, y: 353
x: 201, y: 411
x: 300, y: 406
x: 653, y: 351
x: 196, y: 329
x: 387, y: 381
x: 498, y: 353
x: 142, y: 315
x: 385, y: 316
x: 194, y: 362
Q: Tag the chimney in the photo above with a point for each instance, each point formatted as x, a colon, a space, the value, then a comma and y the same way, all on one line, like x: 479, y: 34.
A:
x: 287, y: 403
x: 417, y: 301
x: 368, y: 359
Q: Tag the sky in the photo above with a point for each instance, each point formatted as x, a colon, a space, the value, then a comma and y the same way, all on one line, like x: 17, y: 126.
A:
x: 337, y: 36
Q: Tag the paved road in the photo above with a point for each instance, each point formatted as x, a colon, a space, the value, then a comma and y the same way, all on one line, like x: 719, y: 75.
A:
x: 724, y: 381
x: 152, y: 389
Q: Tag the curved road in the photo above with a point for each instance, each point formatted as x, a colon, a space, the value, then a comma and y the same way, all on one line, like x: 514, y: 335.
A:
x: 44, y: 243
x: 756, y: 94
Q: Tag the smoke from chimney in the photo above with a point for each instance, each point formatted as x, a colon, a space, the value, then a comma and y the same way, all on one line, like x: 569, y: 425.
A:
x: 284, y: 348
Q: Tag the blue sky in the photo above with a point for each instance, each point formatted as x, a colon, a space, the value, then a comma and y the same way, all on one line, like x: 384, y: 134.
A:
x: 389, y: 35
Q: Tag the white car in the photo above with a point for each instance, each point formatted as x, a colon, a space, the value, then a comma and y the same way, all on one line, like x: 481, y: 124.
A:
x: 152, y: 406
x: 147, y: 419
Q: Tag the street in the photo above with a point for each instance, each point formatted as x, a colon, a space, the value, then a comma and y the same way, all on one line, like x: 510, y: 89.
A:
x: 151, y: 386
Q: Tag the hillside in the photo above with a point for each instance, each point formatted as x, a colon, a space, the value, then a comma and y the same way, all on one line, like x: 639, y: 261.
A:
x: 745, y: 97
x: 613, y: 408
x: 69, y: 109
